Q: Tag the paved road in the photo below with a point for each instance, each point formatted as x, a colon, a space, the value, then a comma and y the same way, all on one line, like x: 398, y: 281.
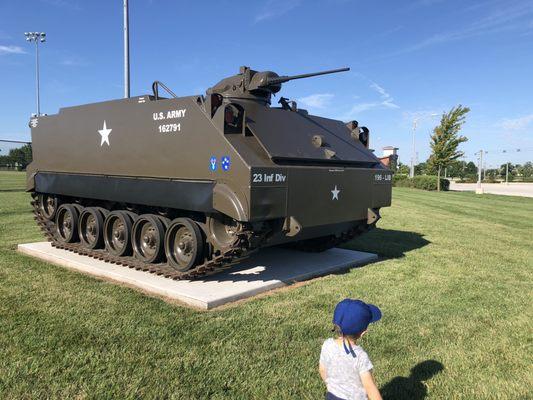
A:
x: 512, y: 189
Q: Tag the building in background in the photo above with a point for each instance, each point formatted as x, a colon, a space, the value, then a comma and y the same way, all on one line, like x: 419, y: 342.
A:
x: 390, y: 157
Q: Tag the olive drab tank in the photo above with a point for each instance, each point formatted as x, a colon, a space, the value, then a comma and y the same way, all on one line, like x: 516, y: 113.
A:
x: 187, y: 186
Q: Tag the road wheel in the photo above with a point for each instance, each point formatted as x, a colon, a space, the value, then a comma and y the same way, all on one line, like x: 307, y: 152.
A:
x: 118, y: 232
x: 222, y: 232
x: 91, y: 228
x: 48, y: 205
x: 148, y: 237
x: 184, y: 244
x: 67, y: 223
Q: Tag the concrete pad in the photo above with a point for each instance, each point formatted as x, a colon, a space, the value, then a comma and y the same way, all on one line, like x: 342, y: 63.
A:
x: 266, y: 270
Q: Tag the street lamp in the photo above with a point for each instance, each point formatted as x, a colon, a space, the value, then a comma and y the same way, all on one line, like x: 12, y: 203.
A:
x: 479, y: 188
x: 415, y: 123
x: 126, y: 51
x: 37, y: 37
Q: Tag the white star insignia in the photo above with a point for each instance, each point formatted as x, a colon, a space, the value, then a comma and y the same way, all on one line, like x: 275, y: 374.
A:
x: 104, y: 132
x: 335, y: 193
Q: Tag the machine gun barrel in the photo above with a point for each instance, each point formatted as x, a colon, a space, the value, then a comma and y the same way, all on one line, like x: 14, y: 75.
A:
x: 282, y: 79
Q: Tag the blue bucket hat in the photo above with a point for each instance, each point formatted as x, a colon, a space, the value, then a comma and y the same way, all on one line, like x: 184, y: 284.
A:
x: 353, y: 317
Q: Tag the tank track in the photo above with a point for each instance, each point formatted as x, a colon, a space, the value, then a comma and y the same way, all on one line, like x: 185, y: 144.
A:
x: 218, y: 263
x: 240, y: 251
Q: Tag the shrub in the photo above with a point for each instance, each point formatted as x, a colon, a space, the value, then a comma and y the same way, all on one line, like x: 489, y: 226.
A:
x: 469, y: 179
x: 429, y: 182
x: 519, y: 178
x: 424, y: 182
x: 402, y: 182
x: 399, y: 177
x: 490, y: 179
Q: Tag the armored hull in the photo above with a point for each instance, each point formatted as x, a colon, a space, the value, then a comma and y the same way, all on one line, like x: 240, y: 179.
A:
x: 186, y: 186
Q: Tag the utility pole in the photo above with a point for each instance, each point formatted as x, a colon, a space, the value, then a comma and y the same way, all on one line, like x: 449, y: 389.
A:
x: 412, y: 169
x: 479, y: 188
x: 507, y: 173
x: 126, y: 52
x: 37, y: 37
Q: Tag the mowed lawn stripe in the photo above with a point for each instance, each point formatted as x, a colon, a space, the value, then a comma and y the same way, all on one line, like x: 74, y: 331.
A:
x: 454, y: 283
x: 487, y: 207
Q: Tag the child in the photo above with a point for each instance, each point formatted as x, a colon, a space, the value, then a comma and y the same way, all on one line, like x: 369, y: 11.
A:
x: 344, y: 366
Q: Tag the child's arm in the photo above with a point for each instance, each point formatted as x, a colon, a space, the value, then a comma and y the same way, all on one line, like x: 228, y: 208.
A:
x: 369, y: 384
x: 322, y: 371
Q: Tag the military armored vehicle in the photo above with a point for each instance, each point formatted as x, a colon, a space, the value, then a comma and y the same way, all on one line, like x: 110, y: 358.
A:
x: 186, y: 186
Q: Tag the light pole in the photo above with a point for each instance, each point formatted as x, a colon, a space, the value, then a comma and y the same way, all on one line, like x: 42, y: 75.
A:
x: 36, y: 37
x: 507, y: 173
x: 479, y: 188
x: 412, y: 169
x: 126, y: 51
x: 415, y: 123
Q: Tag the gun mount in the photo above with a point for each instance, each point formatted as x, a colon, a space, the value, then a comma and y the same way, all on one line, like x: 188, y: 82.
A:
x: 257, y: 86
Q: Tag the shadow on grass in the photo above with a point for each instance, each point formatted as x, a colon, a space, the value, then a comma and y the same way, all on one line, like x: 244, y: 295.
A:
x: 11, y: 190
x: 387, y: 243
x: 413, y: 386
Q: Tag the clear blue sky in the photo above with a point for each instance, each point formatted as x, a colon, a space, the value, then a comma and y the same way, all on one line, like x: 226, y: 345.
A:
x: 407, y: 58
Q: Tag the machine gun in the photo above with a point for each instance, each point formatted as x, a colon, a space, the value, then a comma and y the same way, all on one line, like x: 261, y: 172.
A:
x: 272, y: 81
x: 259, y: 86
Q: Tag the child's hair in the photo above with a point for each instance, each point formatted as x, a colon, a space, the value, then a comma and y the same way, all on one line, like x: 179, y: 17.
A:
x: 339, y: 333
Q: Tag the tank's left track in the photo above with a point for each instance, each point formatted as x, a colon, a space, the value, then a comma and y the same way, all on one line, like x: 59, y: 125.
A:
x: 240, y: 250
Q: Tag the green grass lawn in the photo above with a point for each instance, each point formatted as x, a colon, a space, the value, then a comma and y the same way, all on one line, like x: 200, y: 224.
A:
x: 454, y: 284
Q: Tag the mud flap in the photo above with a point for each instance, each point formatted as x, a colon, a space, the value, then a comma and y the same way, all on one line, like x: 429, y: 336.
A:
x: 227, y: 202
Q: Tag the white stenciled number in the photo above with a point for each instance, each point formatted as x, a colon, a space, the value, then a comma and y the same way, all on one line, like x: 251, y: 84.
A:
x: 382, y: 178
x: 258, y: 178
x: 169, y: 128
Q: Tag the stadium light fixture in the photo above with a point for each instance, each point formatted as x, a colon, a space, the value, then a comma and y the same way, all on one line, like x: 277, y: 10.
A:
x: 37, y: 37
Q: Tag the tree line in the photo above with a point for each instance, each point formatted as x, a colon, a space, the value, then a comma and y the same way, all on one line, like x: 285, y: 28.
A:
x: 17, y: 158
x: 445, y: 154
x: 468, y: 171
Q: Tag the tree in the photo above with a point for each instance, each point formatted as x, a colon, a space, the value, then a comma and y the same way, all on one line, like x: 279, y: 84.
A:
x: 461, y: 169
x: 429, y: 168
x: 403, y: 169
x: 456, y: 169
x: 421, y: 169
x: 445, y: 140
x: 470, y: 168
x: 21, y: 157
x: 526, y: 170
x: 4, y: 160
x: 491, y: 174
x: 17, y: 157
x: 512, y: 170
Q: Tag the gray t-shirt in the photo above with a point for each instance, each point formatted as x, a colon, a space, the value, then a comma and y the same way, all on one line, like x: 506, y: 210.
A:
x: 343, y: 370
